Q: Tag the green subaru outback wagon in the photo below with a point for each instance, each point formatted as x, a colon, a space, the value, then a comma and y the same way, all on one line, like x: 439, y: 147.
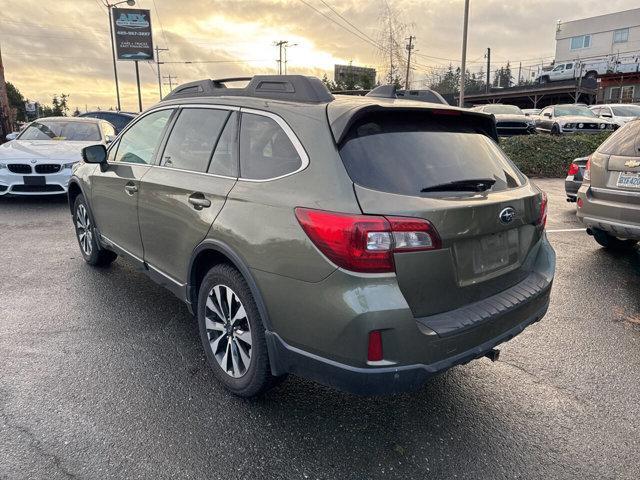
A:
x: 367, y: 243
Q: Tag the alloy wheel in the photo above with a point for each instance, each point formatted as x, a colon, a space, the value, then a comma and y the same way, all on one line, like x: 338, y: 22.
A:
x: 83, y: 229
x: 228, y: 331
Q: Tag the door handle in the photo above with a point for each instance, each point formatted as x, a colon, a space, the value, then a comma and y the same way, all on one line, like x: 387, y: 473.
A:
x: 130, y: 188
x: 198, y: 201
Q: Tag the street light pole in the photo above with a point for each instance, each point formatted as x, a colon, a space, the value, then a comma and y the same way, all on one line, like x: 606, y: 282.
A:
x: 113, y: 47
x: 463, y: 69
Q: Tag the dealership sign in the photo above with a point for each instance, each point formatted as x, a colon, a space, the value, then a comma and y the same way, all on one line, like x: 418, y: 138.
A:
x: 132, y: 32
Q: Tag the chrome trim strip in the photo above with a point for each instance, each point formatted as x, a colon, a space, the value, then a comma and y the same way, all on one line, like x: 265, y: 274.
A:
x: 109, y: 241
x: 168, y: 277
x: 616, y: 192
x: 192, y: 171
x: 304, y: 158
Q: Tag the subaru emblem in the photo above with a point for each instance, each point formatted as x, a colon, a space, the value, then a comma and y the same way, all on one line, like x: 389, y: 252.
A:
x: 507, y: 215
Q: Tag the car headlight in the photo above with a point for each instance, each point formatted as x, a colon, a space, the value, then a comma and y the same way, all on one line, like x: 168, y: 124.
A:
x: 69, y: 165
x: 603, y: 126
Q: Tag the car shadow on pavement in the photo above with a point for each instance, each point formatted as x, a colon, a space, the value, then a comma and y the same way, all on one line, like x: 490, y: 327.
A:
x: 448, y: 426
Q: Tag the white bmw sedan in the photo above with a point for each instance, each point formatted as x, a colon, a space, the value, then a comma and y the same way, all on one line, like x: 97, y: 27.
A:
x: 39, y: 160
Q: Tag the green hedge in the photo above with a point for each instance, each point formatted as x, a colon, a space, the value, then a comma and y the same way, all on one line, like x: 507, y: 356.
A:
x: 545, y: 155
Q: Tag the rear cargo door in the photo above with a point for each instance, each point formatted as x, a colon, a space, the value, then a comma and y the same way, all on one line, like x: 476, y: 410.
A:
x: 442, y: 169
x: 623, y: 165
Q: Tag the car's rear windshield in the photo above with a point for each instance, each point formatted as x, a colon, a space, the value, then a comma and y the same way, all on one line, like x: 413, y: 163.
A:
x: 503, y: 109
x: 626, y: 110
x: 406, y: 153
x: 62, y: 130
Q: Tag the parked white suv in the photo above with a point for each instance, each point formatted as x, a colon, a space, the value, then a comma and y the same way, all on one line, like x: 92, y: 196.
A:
x: 618, y: 113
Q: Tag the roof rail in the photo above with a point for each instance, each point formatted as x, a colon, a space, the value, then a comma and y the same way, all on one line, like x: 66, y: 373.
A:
x: 297, y: 88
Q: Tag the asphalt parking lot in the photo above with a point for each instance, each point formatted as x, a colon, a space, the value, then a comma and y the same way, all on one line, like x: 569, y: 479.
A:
x: 102, y: 375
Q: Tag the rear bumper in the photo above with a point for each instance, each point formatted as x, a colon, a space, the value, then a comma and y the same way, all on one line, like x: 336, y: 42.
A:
x: 385, y: 380
x: 415, y: 349
x: 614, y: 211
x: 571, y: 187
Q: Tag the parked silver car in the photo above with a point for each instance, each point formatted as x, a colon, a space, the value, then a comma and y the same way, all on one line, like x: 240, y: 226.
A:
x: 570, y: 118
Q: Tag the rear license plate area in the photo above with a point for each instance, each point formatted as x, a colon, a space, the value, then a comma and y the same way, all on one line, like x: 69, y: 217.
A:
x: 495, y: 252
x: 629, y: 180
x: 35, y: 180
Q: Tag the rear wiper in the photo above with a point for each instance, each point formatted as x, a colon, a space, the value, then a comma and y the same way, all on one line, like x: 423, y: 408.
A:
x: 470, y: 185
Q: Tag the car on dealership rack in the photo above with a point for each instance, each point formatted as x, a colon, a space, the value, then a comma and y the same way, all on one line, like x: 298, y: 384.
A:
x: 609, y: 197
x: 618, y: 113
x: 510, y: 120
x: 571, y: 118
x: 573, y: 181
x: 367, y: 243
x: 38, y: 161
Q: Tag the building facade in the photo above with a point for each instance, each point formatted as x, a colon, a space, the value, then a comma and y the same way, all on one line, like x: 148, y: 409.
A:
x: 601, y: 37
x: 619, y: 88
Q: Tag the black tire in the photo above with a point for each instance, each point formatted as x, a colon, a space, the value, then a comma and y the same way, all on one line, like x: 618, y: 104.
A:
x: 91, y: 251
x: 591, y: 74
x: 555, y: 129
x: 612, y: 243
x: 544, y: 80
x: 256, y: 378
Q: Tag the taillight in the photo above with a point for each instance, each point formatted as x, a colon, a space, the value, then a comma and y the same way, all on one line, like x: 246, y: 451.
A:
x: 573, y: 169
x: 366, y: 243
x: 586, y: 176
x: 374, y: 350
x: 542, y: 217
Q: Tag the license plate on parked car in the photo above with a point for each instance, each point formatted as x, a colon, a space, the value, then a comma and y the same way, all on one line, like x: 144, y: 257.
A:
x: 496, y: 251
x: 629, y: 180
x: 36, y: 180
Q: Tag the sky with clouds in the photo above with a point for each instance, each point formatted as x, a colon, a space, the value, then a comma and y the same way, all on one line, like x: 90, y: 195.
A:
x: 63, y: 46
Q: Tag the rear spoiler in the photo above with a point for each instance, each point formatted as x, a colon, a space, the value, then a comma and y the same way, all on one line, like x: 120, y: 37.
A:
x: 341, y: 124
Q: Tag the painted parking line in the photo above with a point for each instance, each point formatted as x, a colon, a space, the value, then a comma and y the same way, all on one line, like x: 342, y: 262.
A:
x: 567, y: 230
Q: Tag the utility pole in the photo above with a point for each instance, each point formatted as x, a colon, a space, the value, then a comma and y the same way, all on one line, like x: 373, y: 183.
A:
x: 488, y: 55
x: 390, y: 48
x: 170, y: 79
x: 463, y: 69
x: 158, y: 63
x: 409, y: 47
x: 286, y: 47
x: 280, y: 44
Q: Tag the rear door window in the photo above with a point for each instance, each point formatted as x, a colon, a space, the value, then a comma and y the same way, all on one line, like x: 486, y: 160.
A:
x: 193, y: 137
x: 405, y: 153
x: 265, y: 149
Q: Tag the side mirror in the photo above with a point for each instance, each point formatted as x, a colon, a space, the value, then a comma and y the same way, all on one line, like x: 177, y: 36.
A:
x: 109, y: 138
x: 606, y: 115
x: 527, y: 114
x: 12, y: 136
x: 95, y: 154
x: 547, y: 114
